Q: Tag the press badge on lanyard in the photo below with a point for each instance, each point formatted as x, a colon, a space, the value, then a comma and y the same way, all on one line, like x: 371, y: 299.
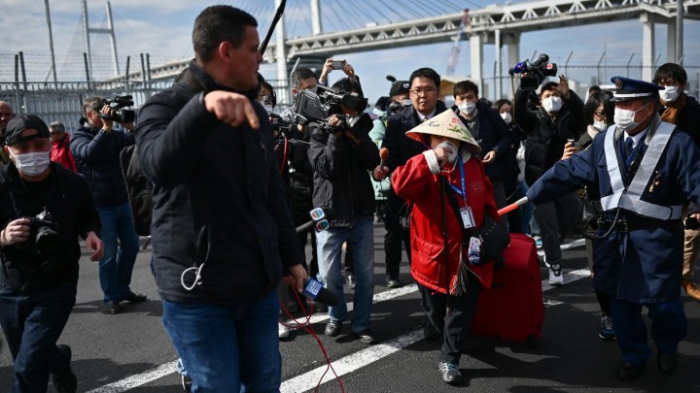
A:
x: 466, y: 210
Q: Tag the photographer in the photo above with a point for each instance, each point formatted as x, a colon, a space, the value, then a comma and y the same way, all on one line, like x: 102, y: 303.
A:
x: 44, y: 208
x: 341, y: 153
x: 96, y: 147
x: 560, y: 117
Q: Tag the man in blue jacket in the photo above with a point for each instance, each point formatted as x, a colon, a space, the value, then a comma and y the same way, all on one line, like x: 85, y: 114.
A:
x: 646, y: 170
x: 222, y: 234
x: 96, y: 147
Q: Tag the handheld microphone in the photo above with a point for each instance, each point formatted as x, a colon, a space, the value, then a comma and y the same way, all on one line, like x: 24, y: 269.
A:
x: 520, y: 67
x: 314, y: 290
x: 320, y: 219
x: 383, y: 155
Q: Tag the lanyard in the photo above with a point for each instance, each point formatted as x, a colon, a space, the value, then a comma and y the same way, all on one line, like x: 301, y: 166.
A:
x: 463, y: 191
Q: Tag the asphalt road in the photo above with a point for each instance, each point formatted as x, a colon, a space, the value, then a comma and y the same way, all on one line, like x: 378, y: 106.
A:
x: 132, y: 352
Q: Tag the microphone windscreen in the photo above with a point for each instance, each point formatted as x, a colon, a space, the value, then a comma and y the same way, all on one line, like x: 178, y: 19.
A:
x: 383, y: 153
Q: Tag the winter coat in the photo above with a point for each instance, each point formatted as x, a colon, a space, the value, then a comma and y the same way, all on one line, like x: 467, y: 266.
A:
x: 217, y: 196
x: 60, y: 153
x: 545, y: 141
x: 420, y: 186
x: 341, y: 180
x: 96, y: 155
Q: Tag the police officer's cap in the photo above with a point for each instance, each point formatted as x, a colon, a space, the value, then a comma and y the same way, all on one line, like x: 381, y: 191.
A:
x: 399, y: 87
x: 13, y: 132
x: 632, y: 89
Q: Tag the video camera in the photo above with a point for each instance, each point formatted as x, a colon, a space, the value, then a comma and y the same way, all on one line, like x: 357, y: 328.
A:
x: 119, y: 114
x: 533, y: 73
x: 320, y: 104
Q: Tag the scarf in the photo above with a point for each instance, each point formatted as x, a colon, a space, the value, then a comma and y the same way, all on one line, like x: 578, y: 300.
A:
x: 672, y: 110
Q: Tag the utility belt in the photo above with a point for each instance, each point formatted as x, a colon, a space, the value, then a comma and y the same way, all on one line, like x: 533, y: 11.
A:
x: 630, y: 224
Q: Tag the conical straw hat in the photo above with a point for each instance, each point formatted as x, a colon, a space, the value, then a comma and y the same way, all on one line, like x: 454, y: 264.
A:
x: 446, y: 124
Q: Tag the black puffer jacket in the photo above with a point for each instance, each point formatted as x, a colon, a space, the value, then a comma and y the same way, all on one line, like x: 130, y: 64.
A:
x: 341, y: 180
x: 546, y: 138
x: 97, y: 157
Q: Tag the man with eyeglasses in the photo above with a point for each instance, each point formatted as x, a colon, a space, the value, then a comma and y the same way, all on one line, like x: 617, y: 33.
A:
x: 423, y: 92
x: 6, y: 114
x: 60, y: 146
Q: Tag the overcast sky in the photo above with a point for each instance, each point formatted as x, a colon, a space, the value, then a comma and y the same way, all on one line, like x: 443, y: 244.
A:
x: 163, y: 27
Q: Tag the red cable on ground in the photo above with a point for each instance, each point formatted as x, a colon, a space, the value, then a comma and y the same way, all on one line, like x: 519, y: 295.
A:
x: 306, y: 326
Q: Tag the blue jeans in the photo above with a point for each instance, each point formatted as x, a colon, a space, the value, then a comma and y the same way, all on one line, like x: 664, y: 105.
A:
x: 668, y: 328
x: 118, y: 262
x: 360, y: 239
x: 32, y: 323
x: 227, y: 348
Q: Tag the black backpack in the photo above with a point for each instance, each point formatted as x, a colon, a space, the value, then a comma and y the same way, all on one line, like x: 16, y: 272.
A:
x: 139, y: 189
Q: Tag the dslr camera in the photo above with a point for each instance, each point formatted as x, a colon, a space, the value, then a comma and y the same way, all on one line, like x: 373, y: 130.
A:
x: 320, y: 104
x: 534, y: 73
x: 43, y: 234
x: 119, y: 114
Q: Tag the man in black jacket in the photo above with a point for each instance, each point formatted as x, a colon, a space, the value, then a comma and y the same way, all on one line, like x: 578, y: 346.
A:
x: 96, y: 147
x: 341, y: 154
x: 222, y: 234
x: 39, y: 274
x: 559, y: 118
x: 683, y: 110
x: 425, y: 85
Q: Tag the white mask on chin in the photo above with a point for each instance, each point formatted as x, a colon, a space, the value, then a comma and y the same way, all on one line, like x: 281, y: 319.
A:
x: 32, y: 164
x: 450, y: 150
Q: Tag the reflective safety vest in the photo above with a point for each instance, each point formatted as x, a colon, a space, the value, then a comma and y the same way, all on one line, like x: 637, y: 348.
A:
x: 630, y: 198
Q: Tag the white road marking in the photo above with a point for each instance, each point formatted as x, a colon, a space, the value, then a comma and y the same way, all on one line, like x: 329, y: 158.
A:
x: 346, y: 365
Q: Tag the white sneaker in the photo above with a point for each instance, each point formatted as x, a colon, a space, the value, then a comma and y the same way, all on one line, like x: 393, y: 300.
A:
x: 556, y: 279
x: 283, y: 331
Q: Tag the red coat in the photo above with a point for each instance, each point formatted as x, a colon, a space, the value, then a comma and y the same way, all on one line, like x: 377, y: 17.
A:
x: 60, y: 153
x: 415, y: 183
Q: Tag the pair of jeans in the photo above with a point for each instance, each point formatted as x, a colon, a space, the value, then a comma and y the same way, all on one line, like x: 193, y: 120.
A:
x: 360, y: 245
x: 118, y: 262
x: 668, y: 328
x: 227, y: 348
x: 32, y: 323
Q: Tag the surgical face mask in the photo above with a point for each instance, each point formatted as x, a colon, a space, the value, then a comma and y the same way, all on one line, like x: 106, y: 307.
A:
x: 669, y: 94
x: 467, y: 107
x: 624, y: 118
x: 268, y: 108
x: 507, y: 117
x: 600, y: 125
x: 450, y: 149
x: 32, y: 164
x: 407, y: 102
x: 552, y: 104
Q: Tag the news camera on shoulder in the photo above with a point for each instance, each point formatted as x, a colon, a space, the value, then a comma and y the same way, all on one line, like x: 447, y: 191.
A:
x: 532, y: 74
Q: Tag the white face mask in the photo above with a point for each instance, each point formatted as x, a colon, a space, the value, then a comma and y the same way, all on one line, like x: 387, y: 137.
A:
x: 507, y: 117
x: 450, y: 149
x: 407, y: 102
x: 600, y: 125
x: 669, y: 94
x: 624, y: 118
x: 552, y: 104
x: 467, y: 108
x: 268, y: 108
x: 32, y: 164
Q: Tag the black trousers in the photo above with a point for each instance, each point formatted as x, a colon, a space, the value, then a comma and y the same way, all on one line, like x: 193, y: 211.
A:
x: 301, y: 191
x: 396, y: 236
x: 455, y: 328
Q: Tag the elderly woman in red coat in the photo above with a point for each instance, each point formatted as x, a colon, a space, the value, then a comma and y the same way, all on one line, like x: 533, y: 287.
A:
x: 452, y: 157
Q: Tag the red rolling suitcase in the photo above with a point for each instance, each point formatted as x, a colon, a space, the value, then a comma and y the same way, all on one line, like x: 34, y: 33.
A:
x: 512, y: 309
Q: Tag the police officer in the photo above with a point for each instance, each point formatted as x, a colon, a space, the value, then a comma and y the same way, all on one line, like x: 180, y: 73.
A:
x: 646, y: 170
x: 44, y: 208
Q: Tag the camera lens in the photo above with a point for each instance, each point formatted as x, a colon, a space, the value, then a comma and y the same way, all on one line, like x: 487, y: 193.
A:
x: 48, y: 242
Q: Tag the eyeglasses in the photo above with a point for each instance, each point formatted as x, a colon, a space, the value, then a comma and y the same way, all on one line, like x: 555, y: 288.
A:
x: 599, y: 113
x: 427, y: 90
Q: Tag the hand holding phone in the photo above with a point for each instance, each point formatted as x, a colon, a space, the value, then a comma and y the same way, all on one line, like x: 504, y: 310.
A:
x: 338, y: 64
